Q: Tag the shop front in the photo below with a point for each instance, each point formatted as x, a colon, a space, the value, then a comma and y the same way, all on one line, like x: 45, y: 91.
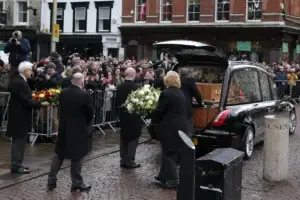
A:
x: 257, y: 44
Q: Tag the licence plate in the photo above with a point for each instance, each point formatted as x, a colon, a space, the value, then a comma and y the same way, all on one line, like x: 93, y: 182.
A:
x: 195, y: 141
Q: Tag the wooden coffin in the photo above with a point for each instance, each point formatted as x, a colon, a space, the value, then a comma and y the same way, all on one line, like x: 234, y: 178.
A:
x: 203, y: 116
x: 210, y: 92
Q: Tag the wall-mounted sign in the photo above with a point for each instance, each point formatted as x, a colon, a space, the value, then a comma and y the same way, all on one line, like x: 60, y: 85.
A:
x: 298, y: 49
x: 285, y: 47
x: 55, y: 33
x: 244, y: 46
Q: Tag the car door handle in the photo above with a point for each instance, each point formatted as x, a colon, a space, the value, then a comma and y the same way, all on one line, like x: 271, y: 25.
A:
x: 255, y: 104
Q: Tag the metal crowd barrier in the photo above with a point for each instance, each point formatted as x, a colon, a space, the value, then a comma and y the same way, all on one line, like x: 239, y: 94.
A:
x: 4, y: 100
x: 106, y: 111
x: 286, y: 89
x: 45, y: 121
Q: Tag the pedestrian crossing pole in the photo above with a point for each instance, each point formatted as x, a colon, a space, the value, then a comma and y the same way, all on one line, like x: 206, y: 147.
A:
x: 54, y: 14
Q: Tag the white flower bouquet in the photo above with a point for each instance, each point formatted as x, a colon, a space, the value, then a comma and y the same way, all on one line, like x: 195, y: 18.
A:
x: 143, y: 101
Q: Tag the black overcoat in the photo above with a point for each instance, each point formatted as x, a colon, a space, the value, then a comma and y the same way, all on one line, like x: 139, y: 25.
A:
x: 190, y: 91
x: 170, y: 117
x: 20, y: 108
x: 130, y: 124
x: 76, y: 113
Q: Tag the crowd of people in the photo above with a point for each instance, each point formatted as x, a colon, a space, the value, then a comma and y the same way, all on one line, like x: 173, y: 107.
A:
x: 76, y: 74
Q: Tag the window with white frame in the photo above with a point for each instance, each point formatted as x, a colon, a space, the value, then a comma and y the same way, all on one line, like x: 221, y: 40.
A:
x: 60, y: 18
x: 222, y: 10
x: 80, y: 19
x: 193, y: 10
x: 22, y: 12
x: 166, y: 10
x: 141, y: 10
x: 104, y: 19
x: 254, y: 11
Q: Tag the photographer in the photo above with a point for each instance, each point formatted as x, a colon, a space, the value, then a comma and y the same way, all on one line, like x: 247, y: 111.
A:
x: 18, y: 49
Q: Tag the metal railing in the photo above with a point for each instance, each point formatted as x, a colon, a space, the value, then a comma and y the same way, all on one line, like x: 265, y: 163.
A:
x: 44, y: 121
x: 286, y: 88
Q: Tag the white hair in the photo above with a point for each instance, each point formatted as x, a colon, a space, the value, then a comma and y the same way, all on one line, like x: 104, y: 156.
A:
x: 24, y: 66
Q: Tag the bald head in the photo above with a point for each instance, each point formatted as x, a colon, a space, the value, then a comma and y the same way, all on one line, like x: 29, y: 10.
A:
x: 78, y: 79
x: 130, y: 73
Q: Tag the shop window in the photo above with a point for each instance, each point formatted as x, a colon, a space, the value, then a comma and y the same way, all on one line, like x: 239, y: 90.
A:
x: 254, y: 9
x: 222, y: 10
x: 166, y: 10
x: 193, y: 10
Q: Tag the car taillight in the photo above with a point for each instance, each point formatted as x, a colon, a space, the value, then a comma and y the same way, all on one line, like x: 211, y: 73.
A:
x: 221, y: 118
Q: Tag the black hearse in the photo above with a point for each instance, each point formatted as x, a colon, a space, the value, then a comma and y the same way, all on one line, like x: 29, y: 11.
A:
x: 239, y: 96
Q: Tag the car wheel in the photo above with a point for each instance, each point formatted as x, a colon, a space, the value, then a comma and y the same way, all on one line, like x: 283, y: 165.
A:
x: 248, y: 142
x: 293, y: 122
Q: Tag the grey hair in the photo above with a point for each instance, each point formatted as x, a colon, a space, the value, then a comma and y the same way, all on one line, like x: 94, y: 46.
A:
x: 24, y: 66
x: 184, y: 72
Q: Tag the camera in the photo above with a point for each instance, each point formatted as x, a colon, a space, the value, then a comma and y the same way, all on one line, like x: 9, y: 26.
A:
x: 13, y: 41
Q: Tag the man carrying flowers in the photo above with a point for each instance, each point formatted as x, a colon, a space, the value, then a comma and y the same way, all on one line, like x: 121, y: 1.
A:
x: 130, y: 123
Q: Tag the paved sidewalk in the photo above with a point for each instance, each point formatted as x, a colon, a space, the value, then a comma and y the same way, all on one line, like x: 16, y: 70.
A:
x: 38, y: 157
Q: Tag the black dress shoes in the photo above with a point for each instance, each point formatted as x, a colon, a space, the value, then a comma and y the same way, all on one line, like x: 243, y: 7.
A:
x: 81, y: 188
x: 158, y: 179
x: 20, y: 170
x: 132, y: 165
x: 170, y: 184
x: 51, y: 187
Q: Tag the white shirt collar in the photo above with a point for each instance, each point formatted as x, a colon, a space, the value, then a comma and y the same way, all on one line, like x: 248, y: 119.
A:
x: 23, y: 77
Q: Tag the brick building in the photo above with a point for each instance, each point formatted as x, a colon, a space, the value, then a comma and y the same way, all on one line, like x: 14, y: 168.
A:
x: 266, y: 30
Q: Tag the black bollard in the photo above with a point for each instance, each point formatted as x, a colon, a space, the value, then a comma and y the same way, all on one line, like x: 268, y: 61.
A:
x: 186, y: 187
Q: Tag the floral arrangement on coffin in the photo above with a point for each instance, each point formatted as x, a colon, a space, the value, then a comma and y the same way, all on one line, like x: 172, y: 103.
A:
x: 51, y: 96
x: 143, y: 101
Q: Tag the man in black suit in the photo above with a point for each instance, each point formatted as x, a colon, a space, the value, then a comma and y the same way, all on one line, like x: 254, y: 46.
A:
x: 190, y: 91
x: 130, y: 124
x: 76, y: 113
x: 20, y: 107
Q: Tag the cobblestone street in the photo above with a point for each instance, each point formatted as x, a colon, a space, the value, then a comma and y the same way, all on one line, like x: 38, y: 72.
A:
x: 109, y: 182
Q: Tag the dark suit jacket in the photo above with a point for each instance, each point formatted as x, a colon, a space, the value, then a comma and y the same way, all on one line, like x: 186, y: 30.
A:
x: 76, y: 113
x: 130, y: 124
x: 158, y: 83
x: 170, y: 117
x: 20, y: 108
x: 189, y: 88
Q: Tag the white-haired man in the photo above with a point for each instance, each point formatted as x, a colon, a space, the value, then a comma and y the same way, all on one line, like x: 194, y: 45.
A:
x: 130, y: 124
x: 20, y: 106
x: 76, y: 113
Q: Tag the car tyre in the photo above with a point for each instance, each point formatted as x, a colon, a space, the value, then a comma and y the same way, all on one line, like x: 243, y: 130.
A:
x: 293, y: 122
x: 248, y: 142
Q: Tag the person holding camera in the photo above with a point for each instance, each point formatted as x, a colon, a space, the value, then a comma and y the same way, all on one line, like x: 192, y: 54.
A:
x: 18, y: 49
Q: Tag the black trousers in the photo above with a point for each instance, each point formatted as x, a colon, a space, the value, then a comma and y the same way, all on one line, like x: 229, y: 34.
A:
x: 168, y: 170
x: 128, y: 151
x: 17, y: 151
x: 76, y: 167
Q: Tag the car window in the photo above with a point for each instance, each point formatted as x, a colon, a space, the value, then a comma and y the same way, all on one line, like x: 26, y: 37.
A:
x: 265, y: 86
x: 273, y: 89
x: 243, y: 87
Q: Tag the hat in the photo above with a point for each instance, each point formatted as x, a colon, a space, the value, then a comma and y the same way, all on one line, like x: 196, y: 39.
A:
x: 54, y: 54
x: 51, y: 65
